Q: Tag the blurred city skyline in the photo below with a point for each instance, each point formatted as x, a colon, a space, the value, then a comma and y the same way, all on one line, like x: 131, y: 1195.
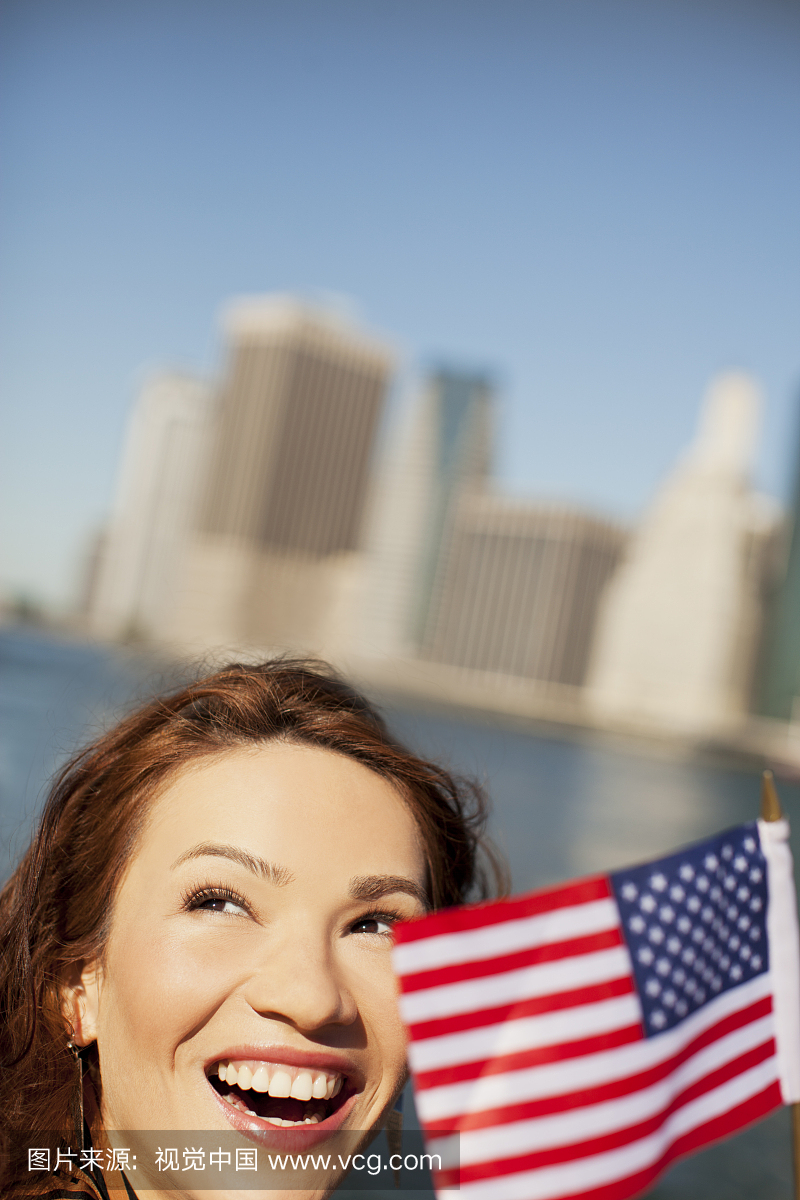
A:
x: 597, y: 202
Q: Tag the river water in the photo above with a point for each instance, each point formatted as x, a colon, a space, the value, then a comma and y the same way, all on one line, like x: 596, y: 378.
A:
x: 563, y: 805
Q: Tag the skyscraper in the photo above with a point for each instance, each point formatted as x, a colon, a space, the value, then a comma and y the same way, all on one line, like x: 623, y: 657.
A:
x: 280, y: 524
x: 141, y: 552
x: 681, y: 619
x: 519, y: 588
x: 441, y: 448
x: 780, y: 675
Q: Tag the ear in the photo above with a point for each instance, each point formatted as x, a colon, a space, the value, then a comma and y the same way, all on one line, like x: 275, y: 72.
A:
x: 80, y: 995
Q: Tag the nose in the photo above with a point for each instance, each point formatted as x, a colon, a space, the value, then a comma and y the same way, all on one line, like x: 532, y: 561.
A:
x: 300, y: 981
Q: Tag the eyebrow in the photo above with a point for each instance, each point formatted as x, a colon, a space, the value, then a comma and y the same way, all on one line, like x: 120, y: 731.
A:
x: 272, y: 872
x: 373, y: 887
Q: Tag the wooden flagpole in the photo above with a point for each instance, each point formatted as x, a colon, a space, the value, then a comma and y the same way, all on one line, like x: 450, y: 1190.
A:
x: 771, y: 811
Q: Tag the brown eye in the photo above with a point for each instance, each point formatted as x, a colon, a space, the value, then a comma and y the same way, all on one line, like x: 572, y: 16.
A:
x: 376, y: 924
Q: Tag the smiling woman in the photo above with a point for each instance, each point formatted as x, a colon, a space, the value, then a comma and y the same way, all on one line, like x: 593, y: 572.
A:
x: 199, y: 936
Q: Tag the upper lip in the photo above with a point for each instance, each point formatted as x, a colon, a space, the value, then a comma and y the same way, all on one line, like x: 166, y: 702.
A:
x: 292, y: 1056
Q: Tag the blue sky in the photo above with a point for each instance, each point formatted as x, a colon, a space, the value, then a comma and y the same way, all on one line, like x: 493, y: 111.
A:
x: 596, y: 199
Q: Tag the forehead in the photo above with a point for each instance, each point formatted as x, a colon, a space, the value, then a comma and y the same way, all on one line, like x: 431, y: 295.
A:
x: 298, y: 805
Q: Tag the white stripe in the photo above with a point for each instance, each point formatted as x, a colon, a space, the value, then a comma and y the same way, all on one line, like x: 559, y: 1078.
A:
x: 508, y: 1037
x: 784, y: 955
x: 542, y: 979
x: 585, y: 1174
x: 591, y: 1070
x: 447, y: 1050
x: 505, y: 937
x: 596, y: 1120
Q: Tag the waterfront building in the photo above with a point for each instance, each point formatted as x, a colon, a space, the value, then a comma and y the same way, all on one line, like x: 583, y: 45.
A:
x: 276, y: 558
x: 138, y: 558
x: 680, y: 622
x: 518, y: 588
x: 442, y: 446
x: 780, y: 674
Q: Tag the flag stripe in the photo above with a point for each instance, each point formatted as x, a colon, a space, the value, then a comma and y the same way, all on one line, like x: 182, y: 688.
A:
x: 528, y: 1058
x: 440, y: 1026
x: 570, y: 1077
x: 574, y: 1128
x: 623, y: 1136
x: 547, y: 952
x: 545, y: 979
x: 449, y: 923
x: 430, y: 1056
x: 535, y: 1099
x: 712, y: 1116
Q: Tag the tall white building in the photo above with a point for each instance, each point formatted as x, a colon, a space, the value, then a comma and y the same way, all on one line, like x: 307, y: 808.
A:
x: 161, y: 473
x: 680, y: 620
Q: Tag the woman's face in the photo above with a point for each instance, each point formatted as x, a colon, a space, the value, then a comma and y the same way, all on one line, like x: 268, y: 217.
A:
x: 248, y: 963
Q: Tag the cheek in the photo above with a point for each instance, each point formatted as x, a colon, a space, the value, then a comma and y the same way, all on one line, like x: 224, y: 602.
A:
x: 178, y: 979
x: 377, y: 999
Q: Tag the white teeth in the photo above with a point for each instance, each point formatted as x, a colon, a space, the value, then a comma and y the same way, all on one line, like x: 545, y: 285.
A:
x: 250, y: 1112
x: 221, y: 1071
x: 281, y: 1083
x: 337, y: 1087
x: 320, y: 1088
x: 303, y: 1086
x: 230, y: 1074
x: 245, y: 1077
x: 261, y: 1080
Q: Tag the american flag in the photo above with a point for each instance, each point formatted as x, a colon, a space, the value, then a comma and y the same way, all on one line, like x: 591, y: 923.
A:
x: 580, y: 1039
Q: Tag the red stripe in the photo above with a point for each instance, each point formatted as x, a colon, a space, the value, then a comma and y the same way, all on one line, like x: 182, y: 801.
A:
x: 459, y: 920
x: 622, y: 1189
x: 460, y: 1072
x: 552, y: 952
x: 521, y: 1008
x: 614, y: 1088
x: 619, y: 1137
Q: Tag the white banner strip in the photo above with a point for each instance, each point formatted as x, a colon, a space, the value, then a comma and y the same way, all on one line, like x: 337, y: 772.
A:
x: 784, y: 953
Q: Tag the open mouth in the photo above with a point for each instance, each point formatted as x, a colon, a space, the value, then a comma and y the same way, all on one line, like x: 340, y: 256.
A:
x: 277, y: 1093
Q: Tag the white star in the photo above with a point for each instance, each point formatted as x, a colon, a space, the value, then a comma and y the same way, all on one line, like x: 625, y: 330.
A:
x: 735, y: 971
x: 674, y: 945
x: 735, y: 943
x: 656, y: 935
x: 727, y: 853
x: 756, y: 904
x: 755, y: 934
x: 740, y: 862
x: 684, y: 924
x: 658, y: 882
x: 666, y: 914
x: 702, y: 883
x: 743, y: 893
x: 647, y: 903
x: 677, y: 893
x: 663, y: 966
x: 756, y: 875
x: 681, y: 1008
x: 711, y: 862
x: 652, y: 987
x: 744, y: 923
x: 730, y: 883
x: 686, y: 873
x: 629, y: 891
x: 756, y: 962
x: 645, y: 955
x: 679, y: 976
x: 694, y: 904
x: 745, y: 953
x: 636, y: 923
x: 668, y: 999
x: 658, y: 1019
x: 749, y: 844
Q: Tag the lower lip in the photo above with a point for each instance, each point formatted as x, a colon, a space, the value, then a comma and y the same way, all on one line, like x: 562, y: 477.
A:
x: 280, y: 1138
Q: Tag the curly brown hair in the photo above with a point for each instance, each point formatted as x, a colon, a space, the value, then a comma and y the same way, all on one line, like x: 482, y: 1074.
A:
x: 55, y: 910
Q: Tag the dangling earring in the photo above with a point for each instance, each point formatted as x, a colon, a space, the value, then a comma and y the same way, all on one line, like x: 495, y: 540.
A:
x: 394, y: 1135
x: 77, y: 1094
